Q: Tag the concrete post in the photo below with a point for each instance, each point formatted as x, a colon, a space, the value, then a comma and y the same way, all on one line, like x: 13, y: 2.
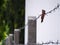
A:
x: 31, y: 30
x: 9, y: 40
x: 16, y: 36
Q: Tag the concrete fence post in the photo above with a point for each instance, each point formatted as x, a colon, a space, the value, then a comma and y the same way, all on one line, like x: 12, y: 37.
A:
x: 9, y: 40
x: 16, y: 36
x: 31, y: 30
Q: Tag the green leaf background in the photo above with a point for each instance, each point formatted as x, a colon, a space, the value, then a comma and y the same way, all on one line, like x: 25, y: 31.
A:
x: 12, y: 16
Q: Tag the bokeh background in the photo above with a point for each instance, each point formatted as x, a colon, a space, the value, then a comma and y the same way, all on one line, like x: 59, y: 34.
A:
x: 12, y: 16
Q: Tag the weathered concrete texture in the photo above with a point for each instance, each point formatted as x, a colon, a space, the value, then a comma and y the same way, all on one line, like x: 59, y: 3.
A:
x: 31, y: 30
x: 16, y: 36
x: 9, y: 40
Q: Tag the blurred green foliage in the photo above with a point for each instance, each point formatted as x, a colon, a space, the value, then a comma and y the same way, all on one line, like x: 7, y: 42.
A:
x: 12, y: 16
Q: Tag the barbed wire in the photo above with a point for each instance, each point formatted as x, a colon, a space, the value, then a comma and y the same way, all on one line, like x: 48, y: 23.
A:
x: 45, y: 14
x: 50, y: 11
x: 50, y: 42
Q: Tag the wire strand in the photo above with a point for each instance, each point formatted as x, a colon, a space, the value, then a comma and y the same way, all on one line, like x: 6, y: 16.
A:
x: 45, y: 14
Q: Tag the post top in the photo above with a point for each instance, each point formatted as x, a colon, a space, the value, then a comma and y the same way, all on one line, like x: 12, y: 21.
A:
x: 16, y: 29
x: 10, y: 34
x: 31, y: 17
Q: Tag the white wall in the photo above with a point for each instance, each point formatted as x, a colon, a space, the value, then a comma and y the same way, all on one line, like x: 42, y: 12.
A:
x: 50, y: 28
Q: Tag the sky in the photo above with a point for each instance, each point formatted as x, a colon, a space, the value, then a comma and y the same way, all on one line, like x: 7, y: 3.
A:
x: 49, y: 30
